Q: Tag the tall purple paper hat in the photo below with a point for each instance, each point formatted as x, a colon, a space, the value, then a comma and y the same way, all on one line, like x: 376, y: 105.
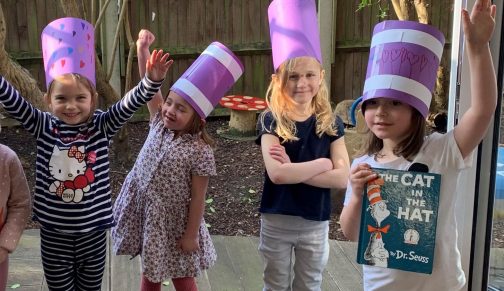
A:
x: 403, y: 63
x: 294, y: 30
x: 208, y: 78
x: 68, y: 47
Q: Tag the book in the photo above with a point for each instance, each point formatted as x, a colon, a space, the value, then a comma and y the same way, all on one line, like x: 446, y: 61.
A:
x: 398, y: 220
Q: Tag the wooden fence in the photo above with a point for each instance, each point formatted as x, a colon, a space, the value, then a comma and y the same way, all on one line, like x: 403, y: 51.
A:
x: 185, y: 28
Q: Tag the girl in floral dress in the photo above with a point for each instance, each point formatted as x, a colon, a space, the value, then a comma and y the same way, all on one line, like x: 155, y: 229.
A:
x: 159, y: 211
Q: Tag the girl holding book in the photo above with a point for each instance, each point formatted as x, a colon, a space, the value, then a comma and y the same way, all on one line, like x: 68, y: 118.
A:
x: 395, y: 103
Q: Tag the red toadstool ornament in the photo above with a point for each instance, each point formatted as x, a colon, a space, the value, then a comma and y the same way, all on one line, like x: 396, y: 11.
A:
x: 243, y: 113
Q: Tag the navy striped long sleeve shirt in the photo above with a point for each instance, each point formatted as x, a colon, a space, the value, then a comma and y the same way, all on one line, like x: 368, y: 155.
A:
x: 72, y: 184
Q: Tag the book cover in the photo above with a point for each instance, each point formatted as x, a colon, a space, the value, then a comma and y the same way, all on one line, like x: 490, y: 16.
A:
x: 398, y: 220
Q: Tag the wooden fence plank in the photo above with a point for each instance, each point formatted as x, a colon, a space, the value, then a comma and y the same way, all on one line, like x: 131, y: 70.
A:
x: 210, y: 22
x: 236, y: 24
x: 182, y: 23
x: 173, y: 24
x: 348, y: 76
x: 251, y: 27
x: 22, y: 25
x: 12, y: 37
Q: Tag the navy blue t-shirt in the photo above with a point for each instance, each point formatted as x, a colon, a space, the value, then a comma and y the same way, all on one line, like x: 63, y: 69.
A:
x: 301, y: 199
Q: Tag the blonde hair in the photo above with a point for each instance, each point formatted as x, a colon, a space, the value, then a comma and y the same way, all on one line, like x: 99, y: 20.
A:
x: 280, y: 104
x: 83, y: 81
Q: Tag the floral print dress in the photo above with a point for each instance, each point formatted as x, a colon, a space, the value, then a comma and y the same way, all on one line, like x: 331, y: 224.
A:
x: 152, y: 208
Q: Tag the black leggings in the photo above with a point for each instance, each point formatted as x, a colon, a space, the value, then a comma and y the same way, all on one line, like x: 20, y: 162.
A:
x: 73, y: 261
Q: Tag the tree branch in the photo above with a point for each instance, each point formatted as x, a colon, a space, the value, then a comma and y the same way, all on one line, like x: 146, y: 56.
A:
x: 421, y: 11
x: 124, y: 8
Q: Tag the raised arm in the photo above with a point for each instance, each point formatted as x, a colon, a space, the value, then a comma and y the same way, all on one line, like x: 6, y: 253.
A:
x: 478, y: 29
x: 287, y: 172
x: 156, y: 69
x: 145, y: 39
x: 30, y: 117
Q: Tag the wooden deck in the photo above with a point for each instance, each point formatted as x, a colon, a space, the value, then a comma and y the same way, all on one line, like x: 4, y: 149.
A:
x: 238, y: 267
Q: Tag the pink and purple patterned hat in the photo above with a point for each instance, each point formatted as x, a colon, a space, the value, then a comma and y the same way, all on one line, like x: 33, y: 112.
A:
x: 208, y: 78
x: 68, y: 47
x: 294, y: 30
x: 403, y: 63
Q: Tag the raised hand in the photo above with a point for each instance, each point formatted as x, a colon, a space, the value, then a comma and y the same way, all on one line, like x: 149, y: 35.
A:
x: 359, y: 176
x: 479, y: 26
x: 145, y: 39
x: 157, y: 65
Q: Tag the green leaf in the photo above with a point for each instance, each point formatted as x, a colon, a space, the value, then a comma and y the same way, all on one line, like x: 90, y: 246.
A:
x: 208, y: 225
x: 251, y: 191
x: 212, y: 209
x: 15, y: 286
x: 209, y: 200
x: 166, y: 283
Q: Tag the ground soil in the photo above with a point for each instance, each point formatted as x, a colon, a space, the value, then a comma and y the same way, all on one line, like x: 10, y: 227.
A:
x: 233, y: 195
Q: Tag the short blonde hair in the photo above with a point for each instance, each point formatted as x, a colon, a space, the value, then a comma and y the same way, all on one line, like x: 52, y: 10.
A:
x: 280, y: 104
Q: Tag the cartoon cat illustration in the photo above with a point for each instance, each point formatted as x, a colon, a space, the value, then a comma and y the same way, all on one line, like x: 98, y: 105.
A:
x: 71, y: 172
x: 376, y: 254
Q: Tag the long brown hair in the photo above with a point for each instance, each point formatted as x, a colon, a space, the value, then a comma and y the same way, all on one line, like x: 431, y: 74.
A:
x: 197, y: 125
x: 407, y: 148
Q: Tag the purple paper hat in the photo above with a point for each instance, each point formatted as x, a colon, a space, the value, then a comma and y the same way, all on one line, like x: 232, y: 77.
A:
x: 294, y: 30
x: 403, y: 63
x: 68, y: 47
x: 209, y: 77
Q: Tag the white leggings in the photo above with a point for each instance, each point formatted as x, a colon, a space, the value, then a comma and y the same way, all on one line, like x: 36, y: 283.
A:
x: 294, y: 251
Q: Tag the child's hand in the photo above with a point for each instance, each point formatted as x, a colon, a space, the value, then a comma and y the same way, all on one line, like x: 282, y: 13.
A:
x: 277, y: 152
x: 189, y: 244
x: 157, y: 65
x: 3, y: 254
x: 479, y: 26
x: 145, y: 39
x: 359, y: 176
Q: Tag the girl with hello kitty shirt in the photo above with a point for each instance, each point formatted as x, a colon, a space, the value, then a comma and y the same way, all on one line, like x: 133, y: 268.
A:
x: 72, y: 200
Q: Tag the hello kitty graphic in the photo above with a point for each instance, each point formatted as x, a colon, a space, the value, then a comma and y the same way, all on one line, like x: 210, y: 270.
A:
x: 71, y: 169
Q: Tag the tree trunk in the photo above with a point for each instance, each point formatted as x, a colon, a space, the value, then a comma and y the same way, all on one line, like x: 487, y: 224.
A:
x: 421, y: 11
x: 18, y: 76
x: 402, y: 9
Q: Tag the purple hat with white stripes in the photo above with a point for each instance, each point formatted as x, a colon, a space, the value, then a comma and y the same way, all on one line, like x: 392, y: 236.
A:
x: 209, y: 77
x: 68, y: 47
x: 294, y: 30
x: 403, y: 63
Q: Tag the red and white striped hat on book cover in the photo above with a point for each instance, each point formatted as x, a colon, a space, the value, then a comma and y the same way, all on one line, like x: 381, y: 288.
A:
x: 374, y: 191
